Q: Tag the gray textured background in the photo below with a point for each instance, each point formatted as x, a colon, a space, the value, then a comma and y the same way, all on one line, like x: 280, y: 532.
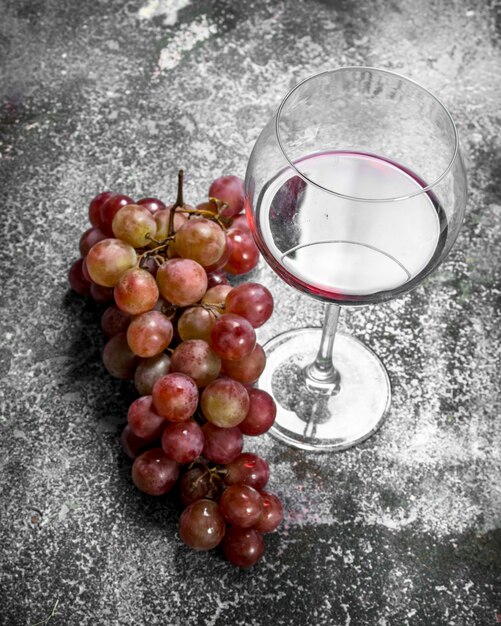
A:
x: 404, y: 530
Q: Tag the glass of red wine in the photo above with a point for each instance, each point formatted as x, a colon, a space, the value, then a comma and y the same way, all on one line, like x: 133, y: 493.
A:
x: 355, y: 192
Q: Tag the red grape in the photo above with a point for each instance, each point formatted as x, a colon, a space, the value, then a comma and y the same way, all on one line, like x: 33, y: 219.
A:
x: 225, y: 402
x: 247, y: 469
x: 222, y: 445
x: 143, y: 420
x: 244, y: 253
x: 216, y: 277
x: 261, y: 414
x: 229, y: 189
x: 183, y: 441
x: 154, y: 473
x: 132, y: 445
x: 272, y: 515
x: 241, y: 222
x: 149, y: 333
x: 195, y: 484
x: 196, y: 359
x: 216, y: 296
x: 118, y: 358
x: 89, y: 238
x: 136, y: 291
x: 201, y: 240
x: 135, y: 225
x: 241, y: 505
x: 243, y: 546
x: 182, y: 281
x: 252, y: 301
x: 201, y: 525
x: 149, y: 371
x: 77, y: 280
x: 114, y: 321
x: 108, y: 259
x: 152, y: 204
x: 162, y: 218
x: 232, y: 337
x: 95, y: 208
x: 101, y: 295
x: 108, y: 210
x: 248, y: 369
x: 175, y: 397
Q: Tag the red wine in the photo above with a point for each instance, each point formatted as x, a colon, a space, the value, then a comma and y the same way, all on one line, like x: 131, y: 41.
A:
x: 343, y: 250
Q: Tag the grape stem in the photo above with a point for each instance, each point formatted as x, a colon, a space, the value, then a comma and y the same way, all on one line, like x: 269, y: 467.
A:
x: 178, y: 203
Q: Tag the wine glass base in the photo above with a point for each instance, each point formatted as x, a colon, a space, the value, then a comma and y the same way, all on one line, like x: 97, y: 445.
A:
x: 335, y: 417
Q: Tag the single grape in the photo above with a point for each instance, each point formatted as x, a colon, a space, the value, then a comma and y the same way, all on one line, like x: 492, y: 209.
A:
x: 194, y: 485
x: 136, y: 291
x: 196, y: 323
x: 101, y: 295
x: 182, y: 281
x: 244, y: 252
x: 132, y: 445
x: 261, y: 414
x: 149, y: 264
x: 252, y: 301
x: 108, y: 259
x: 144, y: 421
x: 152, y: 204
x: 89, y: 238
x: 201, y: 525
x: 216, y: 277
x: 149, y: 334
x: 232, y: 337
x: 85, y: 271
x: 201, y: 240
x: 222, y: 445
x: 135, y: 225
x: 118, y: 358
x: 225, y: 402
x: 248, y: 369
x: 162, y: 218
x: 223, y: 259
x: 183, y: 441
x: 154, y: 473
x: 95, y: 208
x: 247, y: 469
x: 241, y: 222
x: 243, y: 547
x: 196, y: 359
x: 77, y: 280
x: 229, y: 189
x: 175, y: 397
x: 272, y: 515
x: 114, y: 321
x: 149, y: 371
x: 216, y: 296
x: 108, y: 210
x: 241, y: 505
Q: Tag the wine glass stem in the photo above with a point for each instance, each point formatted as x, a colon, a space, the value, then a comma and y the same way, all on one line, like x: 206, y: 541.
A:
x: 321, y: 375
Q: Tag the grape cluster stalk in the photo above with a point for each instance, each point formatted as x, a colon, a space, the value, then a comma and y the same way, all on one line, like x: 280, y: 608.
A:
x: 186, y: 337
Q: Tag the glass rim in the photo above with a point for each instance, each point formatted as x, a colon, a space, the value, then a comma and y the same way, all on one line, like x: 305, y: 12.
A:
x: 351, y: 68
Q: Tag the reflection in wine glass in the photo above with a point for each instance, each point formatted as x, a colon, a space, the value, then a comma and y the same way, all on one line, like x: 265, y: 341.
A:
x: 355, y: 191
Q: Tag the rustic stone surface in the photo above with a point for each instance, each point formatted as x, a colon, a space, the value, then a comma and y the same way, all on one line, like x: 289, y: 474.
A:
x: 404, y: 529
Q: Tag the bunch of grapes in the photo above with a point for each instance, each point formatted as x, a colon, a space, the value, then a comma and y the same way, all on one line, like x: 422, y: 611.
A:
x: 186, y: 337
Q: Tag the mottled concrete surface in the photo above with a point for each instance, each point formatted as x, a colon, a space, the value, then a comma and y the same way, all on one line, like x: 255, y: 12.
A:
x: 404, y: 530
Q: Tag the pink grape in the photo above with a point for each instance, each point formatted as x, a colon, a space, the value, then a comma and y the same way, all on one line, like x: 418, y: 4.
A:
x: 183, y: 441
x: 222, y: 445
x: 143, y: 420
x: 89, y: 238
x: 175, y: 397
x: 241, y: 505
x: 135, y: 225
x: 272, y: 515
x: 154, y: 473
x: 248, y: 369
x: 196, y: 323
x: 182, y: 281
x: 216, y: 277
x: 201, y: 525
x: 162, y: 224
x: 149, y: 334
x: 225, y: 402
x: 95, y: 208
x: 241, y: 222
x: 243, y: 547
x: 201, y: 240
x: 194, y: 485
x: 136, y: 291
x: 261, y: 414
x: 232, y: 337
x: 244, y: 252
x: 108, y: 259
x: 247, y: 469
x: 114, y: 321
x: 132, y: 445
x: 149, y: 371
x: 196, y: 359
x: 118, y: 358
x: 152, y: 204
x: 229, y: 189
x: 108, y: 210
x: 252, y: 301
x: 223, y: 259
x: 216, y: 296
x: 77, y: 280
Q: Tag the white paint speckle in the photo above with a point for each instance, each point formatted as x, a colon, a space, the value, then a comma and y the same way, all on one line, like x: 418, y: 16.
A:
x: 168, y: 8
x: 185, y: 40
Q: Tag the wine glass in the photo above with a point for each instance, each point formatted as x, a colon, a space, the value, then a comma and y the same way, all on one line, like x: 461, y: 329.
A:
x: 355, y: 192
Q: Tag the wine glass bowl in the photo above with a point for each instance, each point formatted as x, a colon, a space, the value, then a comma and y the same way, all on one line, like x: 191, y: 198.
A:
x: 355, y: 192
